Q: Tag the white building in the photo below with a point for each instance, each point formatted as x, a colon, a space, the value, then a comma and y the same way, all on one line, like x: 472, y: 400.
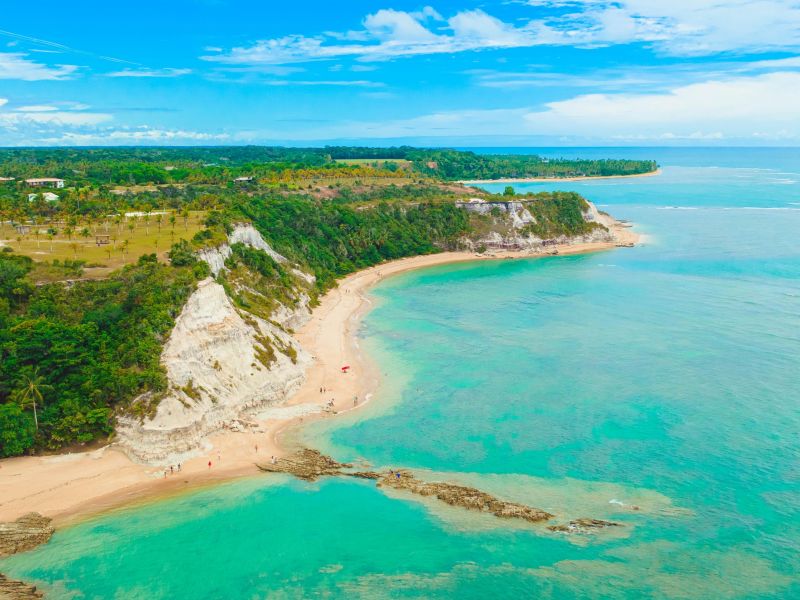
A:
x: 45, y: 182
x: 47, y: 196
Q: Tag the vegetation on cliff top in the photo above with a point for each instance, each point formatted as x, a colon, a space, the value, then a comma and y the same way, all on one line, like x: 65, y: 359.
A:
x: 69, y: 355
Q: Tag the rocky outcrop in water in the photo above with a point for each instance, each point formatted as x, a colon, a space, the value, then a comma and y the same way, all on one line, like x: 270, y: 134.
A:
x: 310, y: 465
x: 306, y: 464
x: 583, y: 526
x: 463, y: 496
x: 24, y: 534
x: 11, y: 589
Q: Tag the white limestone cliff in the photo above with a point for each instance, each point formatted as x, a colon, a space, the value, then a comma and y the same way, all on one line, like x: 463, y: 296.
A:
x: 223, y: 365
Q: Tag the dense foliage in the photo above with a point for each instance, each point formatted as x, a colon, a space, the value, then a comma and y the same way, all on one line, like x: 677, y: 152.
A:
x: 558, y: 214
x: 456, y: 165
x: 272, y: 164
x: 333, y: 239
x: 70, y: 355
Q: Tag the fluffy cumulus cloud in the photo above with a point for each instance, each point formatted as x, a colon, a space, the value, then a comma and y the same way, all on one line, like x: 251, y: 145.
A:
x: 676, y: 27
x: 16, y: 65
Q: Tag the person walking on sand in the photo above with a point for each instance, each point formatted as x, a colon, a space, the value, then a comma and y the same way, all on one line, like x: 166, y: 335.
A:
x: 171, y: 470
x: 256, y: 448
x: 209, y: 464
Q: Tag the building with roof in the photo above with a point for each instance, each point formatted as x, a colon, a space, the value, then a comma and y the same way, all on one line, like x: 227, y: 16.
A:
x: 45, y: 182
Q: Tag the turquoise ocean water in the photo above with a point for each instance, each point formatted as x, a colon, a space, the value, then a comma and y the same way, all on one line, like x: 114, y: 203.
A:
x: 663, y: 376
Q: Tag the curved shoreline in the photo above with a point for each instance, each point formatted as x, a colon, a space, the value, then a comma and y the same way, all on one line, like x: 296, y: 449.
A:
x: 556, y: 179
x: 71, y: 487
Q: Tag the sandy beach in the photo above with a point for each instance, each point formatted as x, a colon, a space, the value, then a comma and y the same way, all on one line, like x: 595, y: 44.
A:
x: 69, y: 487
x: 556, y: 179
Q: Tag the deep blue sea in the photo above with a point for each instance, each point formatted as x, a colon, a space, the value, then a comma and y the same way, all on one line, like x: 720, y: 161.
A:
x: 664, y: 377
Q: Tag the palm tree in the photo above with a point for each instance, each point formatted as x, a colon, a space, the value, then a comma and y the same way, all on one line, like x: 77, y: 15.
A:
x: 33, y: 384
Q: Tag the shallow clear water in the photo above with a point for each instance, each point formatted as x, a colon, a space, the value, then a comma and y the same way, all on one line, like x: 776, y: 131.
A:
x: 663, y: 376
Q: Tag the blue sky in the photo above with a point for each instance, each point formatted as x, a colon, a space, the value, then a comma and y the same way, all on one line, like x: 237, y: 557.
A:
x: 522, y: 72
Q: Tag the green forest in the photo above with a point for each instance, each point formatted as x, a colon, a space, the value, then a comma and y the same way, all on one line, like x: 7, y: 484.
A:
x: 70, y: 355
x: 217, y: 165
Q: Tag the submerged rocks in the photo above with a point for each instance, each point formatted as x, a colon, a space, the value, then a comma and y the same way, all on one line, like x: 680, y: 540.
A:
x: 583, y: 526
x: 10, y: 589
x: 25, y: 533
x: 466, y: 497
x: 310, y: 464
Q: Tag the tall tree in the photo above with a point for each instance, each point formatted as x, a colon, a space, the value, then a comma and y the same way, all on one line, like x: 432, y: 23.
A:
x: 33, y: 384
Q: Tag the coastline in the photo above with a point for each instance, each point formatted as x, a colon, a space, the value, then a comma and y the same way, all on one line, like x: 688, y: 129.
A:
x: 71, y: 487
x: 556, y: 179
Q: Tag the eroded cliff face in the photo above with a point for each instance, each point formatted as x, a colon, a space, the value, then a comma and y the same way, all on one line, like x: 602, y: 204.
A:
x: 242, y: 233
x: 222, y: 363
x: 507, y: 229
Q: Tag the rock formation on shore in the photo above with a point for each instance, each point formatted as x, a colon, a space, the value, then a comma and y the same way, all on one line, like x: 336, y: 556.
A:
x: 510, y: 219
x: 21, y: 535
x: 25, y: 533
x: 11, y: 589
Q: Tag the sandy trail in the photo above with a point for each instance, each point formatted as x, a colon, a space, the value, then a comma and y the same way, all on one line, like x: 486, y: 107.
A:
x: 69, y: 487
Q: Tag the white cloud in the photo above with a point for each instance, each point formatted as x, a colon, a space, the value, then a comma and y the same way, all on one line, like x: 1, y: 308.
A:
x: 323, y: 82
x: 736, y: 106
x: 140, y: 135
x: 757, y: 108
x: 387, y: 34
x: 15, y: 65
x: 3, y: 101
x: 37, y: 108
x: 150, y: 73
x: 53, y: 118
x: 676, y: 27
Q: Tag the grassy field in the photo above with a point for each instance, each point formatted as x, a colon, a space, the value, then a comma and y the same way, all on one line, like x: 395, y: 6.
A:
x: 128, y: 240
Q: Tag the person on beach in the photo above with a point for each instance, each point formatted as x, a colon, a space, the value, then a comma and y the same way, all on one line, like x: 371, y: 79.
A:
x: 256, y: 448
x: 171, y: 470
x: 179, y: 467
x: 209, y: 464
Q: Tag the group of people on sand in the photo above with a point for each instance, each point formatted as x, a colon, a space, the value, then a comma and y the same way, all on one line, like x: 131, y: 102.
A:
x: 172, y: 470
